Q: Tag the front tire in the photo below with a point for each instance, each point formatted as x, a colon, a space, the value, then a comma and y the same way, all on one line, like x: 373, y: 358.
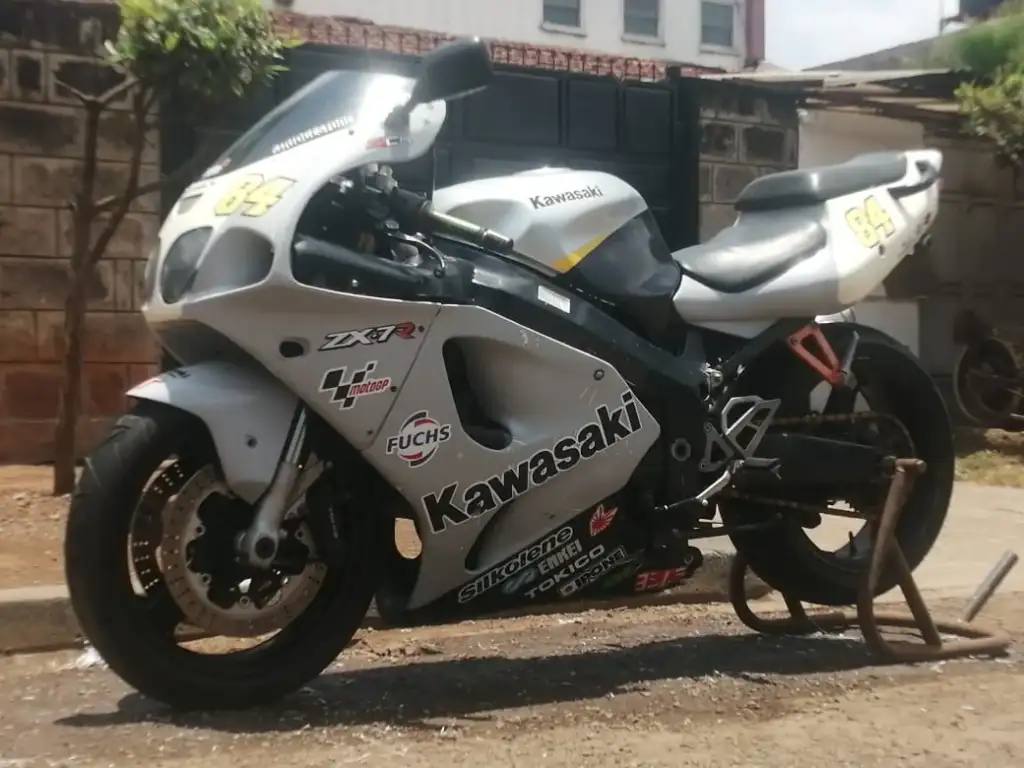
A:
x: 122, y: 624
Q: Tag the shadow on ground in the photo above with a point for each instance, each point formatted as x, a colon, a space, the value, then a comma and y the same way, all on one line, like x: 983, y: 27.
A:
x: 410, y: 693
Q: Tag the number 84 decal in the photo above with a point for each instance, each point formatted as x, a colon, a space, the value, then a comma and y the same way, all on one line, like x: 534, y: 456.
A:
x: 870, y: 223
x: 252, y: 195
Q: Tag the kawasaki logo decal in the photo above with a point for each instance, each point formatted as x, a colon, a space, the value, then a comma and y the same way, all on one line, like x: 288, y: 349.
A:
x: 449, y: 507
x: 544, y: 201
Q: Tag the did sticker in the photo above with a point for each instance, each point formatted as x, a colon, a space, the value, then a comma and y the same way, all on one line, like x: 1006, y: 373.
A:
x: 418, y: 439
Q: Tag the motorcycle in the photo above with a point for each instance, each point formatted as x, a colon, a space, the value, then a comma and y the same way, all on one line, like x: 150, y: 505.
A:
x: 519, y: 366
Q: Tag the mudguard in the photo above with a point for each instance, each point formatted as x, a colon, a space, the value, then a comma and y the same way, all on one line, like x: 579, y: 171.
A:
x: 248, y: 413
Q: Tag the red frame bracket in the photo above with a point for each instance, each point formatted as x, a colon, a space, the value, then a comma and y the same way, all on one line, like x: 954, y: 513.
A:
x: 828, y: 368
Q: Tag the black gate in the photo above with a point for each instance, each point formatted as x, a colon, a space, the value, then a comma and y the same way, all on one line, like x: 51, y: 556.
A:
x: 645, y: 133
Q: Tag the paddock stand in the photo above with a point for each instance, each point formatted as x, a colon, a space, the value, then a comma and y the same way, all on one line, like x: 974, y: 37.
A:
x: 971, y: 640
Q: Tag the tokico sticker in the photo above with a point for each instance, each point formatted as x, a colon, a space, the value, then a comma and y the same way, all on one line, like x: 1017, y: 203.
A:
x: 345, y: 391
x: 418, y: 439
x: 381, y: 334
x: 449, y: 507
x: 517, y: 565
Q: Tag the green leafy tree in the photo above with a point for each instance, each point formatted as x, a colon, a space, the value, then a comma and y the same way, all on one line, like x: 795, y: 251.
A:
x: 993, y: 102
x: 203, y: 53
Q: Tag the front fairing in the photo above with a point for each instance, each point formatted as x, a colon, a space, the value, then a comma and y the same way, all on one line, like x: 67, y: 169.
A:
x: 264, y: 182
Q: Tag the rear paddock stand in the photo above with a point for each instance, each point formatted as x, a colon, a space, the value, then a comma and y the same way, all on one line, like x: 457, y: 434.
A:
x: 971, y: 640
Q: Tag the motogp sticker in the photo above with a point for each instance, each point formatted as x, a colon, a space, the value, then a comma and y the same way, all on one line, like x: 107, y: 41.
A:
x: 418, y: 439
x: 346, y: 391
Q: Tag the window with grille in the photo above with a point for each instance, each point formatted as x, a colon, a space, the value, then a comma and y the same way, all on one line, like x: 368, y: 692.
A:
x: 640, y: 18
x: 716, y: 24
x: 564, y: 13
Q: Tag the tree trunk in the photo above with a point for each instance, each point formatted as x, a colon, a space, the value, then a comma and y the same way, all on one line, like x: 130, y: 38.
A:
x: 71, y: 389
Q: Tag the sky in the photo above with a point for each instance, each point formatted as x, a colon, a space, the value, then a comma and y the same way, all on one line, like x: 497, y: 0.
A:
x: 805, y: 33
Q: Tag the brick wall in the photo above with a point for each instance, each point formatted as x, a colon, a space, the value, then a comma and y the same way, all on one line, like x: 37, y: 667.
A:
x: 743, y: 135
x: 41, y: 131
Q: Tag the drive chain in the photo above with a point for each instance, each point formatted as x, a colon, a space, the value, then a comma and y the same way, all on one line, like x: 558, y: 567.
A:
x: 814, y: 419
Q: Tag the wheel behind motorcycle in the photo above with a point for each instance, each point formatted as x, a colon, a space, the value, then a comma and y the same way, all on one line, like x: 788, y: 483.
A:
x: 901, y: 413
x: 986, y: 383
x: 149, y: 558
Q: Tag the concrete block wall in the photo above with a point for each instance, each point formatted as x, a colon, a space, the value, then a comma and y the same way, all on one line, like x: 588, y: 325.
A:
x: 41, y: 147
x: 743, y: 135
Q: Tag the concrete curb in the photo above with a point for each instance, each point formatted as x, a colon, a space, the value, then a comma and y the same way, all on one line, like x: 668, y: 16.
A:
x: 36, y: 619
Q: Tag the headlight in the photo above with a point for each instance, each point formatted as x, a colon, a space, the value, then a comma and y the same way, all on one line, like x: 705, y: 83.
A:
x: 180, y: 264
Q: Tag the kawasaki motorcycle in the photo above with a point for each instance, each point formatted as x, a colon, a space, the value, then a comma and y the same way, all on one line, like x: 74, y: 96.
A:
x: 519, y: 368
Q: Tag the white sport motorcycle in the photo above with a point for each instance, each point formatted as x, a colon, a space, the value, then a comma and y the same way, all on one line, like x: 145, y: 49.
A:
x: 521, y: 367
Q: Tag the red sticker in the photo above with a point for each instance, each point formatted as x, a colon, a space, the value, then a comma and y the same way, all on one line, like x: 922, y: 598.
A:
x: 652, y: 581
x: 601, y: 519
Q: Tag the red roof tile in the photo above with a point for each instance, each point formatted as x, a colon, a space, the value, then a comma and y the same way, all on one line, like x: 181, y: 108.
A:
x: 360, y: 33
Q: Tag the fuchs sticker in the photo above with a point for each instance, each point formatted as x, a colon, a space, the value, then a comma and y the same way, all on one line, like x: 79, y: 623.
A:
x: 592, y: 574
x: 519, y: 564
x: 544, y: 201
x: 601, y: 519
x: 380, y: 334
x: 418, y: 439
x: 346, y: 392
x: 449, y: 507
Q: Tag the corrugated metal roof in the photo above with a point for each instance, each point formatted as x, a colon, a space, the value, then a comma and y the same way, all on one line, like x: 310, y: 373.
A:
x: 922, y: 94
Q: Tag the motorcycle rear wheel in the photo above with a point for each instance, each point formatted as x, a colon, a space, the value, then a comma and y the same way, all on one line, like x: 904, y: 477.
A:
x: 135, y: 634
x: 784, y: 556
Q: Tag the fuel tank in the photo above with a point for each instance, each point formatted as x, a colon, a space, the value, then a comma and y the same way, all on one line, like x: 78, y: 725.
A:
x: 556, y: 216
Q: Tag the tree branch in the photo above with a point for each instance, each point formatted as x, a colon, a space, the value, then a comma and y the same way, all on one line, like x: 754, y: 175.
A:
x: 104, y: 99
x: 187, y: 170
x: 131, y: 186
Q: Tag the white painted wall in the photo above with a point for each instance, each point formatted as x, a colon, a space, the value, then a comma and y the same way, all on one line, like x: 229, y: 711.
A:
x: 600, y: 30
x: 831, y: 137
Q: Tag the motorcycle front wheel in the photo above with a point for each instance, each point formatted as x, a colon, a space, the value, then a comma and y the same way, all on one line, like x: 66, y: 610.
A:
x: 149, y: 557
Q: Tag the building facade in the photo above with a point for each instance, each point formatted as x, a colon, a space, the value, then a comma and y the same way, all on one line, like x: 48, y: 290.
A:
x: 723, y: 34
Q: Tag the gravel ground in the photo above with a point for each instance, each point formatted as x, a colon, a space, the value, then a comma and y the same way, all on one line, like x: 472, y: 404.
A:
x: 669, y: 686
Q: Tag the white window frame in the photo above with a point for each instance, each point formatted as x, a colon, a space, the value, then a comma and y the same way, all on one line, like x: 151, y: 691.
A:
x: 562, y: 29
x: 658, y: 39
x: 714, y: 47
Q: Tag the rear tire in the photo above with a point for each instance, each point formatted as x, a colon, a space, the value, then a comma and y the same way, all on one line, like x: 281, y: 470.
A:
x: 784, y: 556
x: 116, y: 620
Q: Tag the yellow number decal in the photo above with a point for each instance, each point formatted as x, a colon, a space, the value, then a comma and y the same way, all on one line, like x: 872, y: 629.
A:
x: 870, y: 222
x: 252, y: 195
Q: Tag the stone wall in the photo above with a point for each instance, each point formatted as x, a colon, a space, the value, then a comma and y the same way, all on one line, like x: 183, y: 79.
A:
x: 41, y: 144
x: 975, y: 251
x: 743, y: 134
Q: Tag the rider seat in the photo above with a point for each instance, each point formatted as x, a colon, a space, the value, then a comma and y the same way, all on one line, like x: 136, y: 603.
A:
x: 746, y: 255
x: 812, y: 186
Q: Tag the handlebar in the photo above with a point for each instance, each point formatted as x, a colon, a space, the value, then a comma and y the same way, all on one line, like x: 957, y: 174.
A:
x: 419, y: 211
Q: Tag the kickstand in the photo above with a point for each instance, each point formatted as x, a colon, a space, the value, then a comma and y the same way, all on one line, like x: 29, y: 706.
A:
x: 970, y: 639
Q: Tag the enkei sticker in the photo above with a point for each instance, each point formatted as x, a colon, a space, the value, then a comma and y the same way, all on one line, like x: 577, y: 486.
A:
x: 448, y: 507
x: 574, y: 561
x: 601, y: 519
x: 418, y: 439
x: 511, y: 571
x: 380, y: 334
x: 616, y: 558
x: 346, y: 391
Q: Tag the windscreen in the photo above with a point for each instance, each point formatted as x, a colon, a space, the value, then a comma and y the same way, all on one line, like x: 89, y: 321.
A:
x: 333, y: 102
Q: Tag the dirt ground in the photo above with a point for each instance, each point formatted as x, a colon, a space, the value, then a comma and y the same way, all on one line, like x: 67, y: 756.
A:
x: 990, y: 456
x: 668, y: 686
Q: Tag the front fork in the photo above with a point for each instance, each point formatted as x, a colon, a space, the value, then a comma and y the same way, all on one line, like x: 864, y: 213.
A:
x: 258, y: 545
